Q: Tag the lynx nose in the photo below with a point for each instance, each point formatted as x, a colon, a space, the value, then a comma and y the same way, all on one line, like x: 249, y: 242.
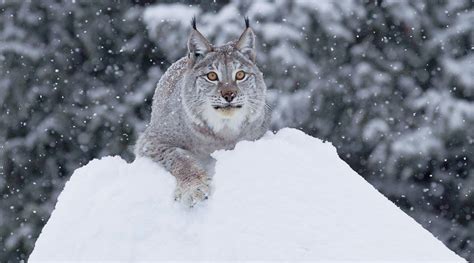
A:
x: 228, y: 94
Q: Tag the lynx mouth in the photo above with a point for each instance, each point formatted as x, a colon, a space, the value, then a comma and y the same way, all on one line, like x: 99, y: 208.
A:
x: 227, y: 111
x: 227, y: 107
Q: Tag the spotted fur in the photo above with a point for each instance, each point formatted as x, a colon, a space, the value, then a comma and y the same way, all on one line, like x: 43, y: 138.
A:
x: 191, y: 117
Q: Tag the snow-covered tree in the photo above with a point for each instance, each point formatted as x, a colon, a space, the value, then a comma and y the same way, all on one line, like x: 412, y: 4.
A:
x: 75, y: 78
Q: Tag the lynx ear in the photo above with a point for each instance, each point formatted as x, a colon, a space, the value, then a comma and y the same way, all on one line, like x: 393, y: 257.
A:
x: 198, y: 45
x: 246, y: 42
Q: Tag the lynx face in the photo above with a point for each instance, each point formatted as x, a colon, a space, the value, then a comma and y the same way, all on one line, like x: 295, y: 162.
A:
x: 223, y: 86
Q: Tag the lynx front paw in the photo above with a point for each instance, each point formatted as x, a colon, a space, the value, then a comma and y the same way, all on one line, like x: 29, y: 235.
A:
x: 193, y: 191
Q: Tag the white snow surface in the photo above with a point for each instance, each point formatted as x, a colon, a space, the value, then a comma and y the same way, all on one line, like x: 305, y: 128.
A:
x: 287, y: 196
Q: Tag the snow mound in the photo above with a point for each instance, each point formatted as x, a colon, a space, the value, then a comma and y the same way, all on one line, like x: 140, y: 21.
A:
x: 287, y: 196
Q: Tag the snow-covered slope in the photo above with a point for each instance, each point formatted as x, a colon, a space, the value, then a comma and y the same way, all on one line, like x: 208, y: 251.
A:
x: 287, y: 196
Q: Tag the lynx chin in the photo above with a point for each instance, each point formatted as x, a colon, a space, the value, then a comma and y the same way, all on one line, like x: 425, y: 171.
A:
x: 206, y: 101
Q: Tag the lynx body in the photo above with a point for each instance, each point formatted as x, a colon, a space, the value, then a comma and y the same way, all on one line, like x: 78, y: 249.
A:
x: 206, y: 101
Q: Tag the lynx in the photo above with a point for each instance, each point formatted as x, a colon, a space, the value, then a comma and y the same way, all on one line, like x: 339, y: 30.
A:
x: 206, y: 101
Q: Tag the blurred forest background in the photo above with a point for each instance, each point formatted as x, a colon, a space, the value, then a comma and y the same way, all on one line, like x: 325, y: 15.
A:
x: 390, y: 83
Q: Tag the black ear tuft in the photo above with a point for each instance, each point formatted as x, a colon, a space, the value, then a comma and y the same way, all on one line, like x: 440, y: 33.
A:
x: 198, y: 45
x: 247, y: 22
x: 193, y: 23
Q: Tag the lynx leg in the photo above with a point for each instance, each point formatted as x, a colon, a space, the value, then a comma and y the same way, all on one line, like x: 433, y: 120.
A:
x: 192, y: 180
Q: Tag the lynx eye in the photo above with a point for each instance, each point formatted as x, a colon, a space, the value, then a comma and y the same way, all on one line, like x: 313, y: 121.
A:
x: 240, y: 75
x: 212, y: 76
